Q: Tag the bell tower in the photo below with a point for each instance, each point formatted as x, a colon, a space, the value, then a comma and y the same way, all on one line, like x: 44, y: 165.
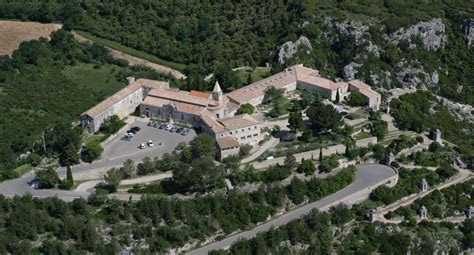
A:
x: 217, y: 93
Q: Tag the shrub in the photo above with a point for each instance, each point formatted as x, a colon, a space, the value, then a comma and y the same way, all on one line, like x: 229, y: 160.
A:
x: 327, y: 165
x: 245, y: 150
x: 93, y: 150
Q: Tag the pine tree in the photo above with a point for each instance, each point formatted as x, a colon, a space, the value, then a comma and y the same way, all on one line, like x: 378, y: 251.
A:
x: 321, y: 154
x: 338, y: 97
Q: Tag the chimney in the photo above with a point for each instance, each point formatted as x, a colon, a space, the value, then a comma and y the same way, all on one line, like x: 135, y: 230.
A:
x: 130, y: 80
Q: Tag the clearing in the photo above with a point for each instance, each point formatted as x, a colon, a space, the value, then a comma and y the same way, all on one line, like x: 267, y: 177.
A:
x: 15, y: 32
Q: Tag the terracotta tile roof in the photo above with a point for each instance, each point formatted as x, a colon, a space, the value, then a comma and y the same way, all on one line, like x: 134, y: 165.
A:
x: 181, y: 97
x: 258, y: 88
x: 182, y: 107
x: 153, y: 84
x: 363, y: 88
x: 196, y: 93
x: 121, y: 94
x: 227, y: 142
x: 312, y: 77
x: 238, y: 121
x: 211, y: 122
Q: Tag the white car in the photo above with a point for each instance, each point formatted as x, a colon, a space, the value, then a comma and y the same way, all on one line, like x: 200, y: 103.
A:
x: 142, y: 146
x: 150, y: 143
x: 168, y: 127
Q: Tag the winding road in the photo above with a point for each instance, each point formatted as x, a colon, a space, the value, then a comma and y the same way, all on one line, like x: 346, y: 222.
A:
x: 367, y: 178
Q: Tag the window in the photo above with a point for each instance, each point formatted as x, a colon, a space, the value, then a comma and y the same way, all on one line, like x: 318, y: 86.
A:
x: 243, y: 137
x: 249, y: 136
x: 231, y: 132
x: 182, y: 116
x: 243, y: 130
x: 249, y: 129
x: 255, y: 127
x: 255, y: 134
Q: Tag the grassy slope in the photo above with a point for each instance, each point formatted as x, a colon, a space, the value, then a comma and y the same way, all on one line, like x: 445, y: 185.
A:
x: 133, y: 52
x: 101, y: 80
x: 257, y: 74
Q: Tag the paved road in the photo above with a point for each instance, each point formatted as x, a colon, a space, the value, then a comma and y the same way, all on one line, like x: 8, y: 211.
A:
x: 367, y: 177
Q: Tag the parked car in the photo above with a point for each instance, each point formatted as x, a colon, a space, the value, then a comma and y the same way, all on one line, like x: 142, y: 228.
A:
x: 142, y: 146
x: 136, y: 129
x: 179, y: 130
x: 162, y: 126
x: 168, y: 127
x: 150, y: 143
x: 173, y: 129
x: 151, y: 123
x: 34, y: 184
x: 128, y: 136
x: 185, y: 131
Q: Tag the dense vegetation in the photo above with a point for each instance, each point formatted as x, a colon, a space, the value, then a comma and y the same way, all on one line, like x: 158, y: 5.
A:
x: 420, y: 112
x: 41, y: 96
x: 216, y: 36
x: 334, y: 232
x: 106, y: 226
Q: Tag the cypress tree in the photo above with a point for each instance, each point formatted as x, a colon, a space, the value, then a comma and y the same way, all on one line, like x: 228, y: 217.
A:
x: 338, y: 97
x: 69, y: 180
x: 321, y: 154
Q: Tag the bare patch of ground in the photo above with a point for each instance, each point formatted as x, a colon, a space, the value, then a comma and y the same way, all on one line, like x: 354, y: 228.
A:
x: 12, y: 33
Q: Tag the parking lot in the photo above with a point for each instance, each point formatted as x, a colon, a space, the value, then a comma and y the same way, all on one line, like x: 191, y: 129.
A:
x: 123, y: 148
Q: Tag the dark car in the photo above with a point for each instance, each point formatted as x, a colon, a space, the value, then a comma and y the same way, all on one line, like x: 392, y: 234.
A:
x: 179, y: 130
x: 136, y: 129
x: 162, y: 126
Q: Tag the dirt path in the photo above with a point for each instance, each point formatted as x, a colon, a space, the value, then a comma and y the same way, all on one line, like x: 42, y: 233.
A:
x: 136, y: 61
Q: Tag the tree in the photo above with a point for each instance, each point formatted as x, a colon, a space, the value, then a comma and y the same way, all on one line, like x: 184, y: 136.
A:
x: 338, y: 97
x: 245, y: 150
x: 324, y: 117
x: 69, y: 155
x: 47, y: 178
x: 69, y: 182
x: 147, y: 166
x: 93, y: 150
x: 307, y: 167
x: 320, y: 154
x: 113, y: 179
x: 356, y: 99
x: 296, y: 191
x: 295, y: 122
x: 246, y: 108
x: 111, y: 125
x: 249, y: 78
x: 128, y: 169
x: 379, y: 129
x: 290, y: 162
x: 203, y: 145
x: 273, y: 93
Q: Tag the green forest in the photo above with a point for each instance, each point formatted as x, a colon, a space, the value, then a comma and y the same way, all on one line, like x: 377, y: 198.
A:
x: 214, y: 36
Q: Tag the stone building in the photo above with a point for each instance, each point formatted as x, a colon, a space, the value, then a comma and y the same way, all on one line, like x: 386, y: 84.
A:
x: 227, y: 146
x: 122, y: 103
x: 300, y: 77
x: 215, y: 112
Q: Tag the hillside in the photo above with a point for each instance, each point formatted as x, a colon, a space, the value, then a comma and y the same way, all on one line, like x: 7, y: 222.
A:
x: 388, y: 44
x: 13, y: 33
